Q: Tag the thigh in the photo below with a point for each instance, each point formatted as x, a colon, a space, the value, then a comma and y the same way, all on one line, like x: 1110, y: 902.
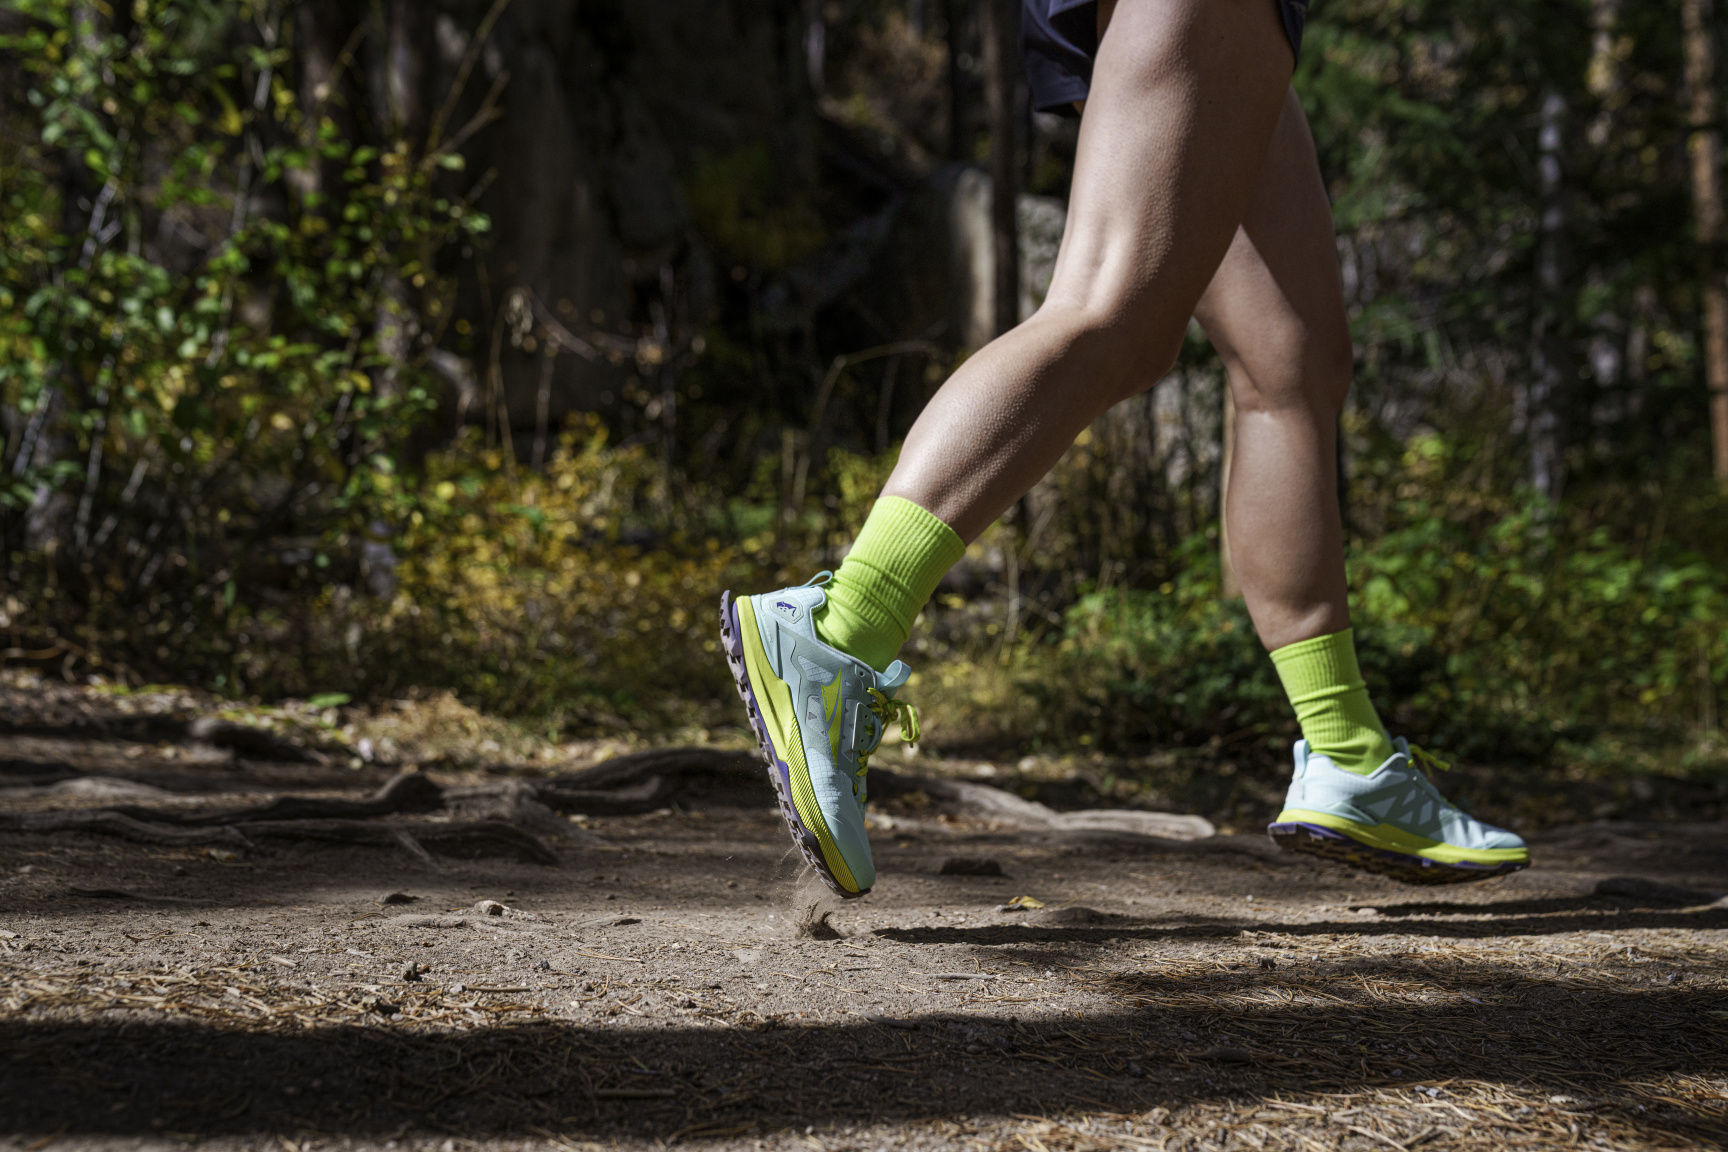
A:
x: 1275, y: 307
x: 1184, y: 100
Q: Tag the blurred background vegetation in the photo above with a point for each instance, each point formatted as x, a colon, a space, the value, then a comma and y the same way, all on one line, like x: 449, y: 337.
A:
x: 373, y: 346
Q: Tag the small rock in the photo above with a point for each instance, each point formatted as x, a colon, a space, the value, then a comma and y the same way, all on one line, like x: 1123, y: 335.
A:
x: 543, y: 966
x: 457, y: 989
x: 623, y: 920
x: 398, y: 898
x: 971, y: 866
x: 411, y: 972
x: 1135, y: 1070
x: 489, y: 908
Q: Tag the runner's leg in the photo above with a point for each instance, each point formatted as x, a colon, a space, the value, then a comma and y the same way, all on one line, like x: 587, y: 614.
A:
x: 1275, y: 313
x: 1185, y: 97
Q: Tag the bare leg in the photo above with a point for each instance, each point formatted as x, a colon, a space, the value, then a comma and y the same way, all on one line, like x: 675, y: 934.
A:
x: 1275, y: 312
x: 1186, y: 95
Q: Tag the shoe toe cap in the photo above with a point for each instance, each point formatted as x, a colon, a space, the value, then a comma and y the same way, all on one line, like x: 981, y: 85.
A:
x: 1499, y: 838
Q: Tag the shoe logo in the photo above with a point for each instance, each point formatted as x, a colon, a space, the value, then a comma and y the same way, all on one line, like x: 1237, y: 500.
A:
x: 790, y: 609
x: 831, y: 706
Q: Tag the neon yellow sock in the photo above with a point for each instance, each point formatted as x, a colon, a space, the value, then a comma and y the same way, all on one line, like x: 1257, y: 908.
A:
x: 1326, y: 688
x: 885, y: 581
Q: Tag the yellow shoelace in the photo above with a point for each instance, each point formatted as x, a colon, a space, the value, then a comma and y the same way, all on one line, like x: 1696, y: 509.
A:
x: 888, y: 710
x: 1427, y: 761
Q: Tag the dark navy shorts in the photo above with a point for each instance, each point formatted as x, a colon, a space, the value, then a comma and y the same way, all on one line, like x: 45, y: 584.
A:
x: 1059, y: 38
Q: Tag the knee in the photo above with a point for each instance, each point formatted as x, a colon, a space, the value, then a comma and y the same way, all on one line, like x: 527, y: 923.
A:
x: 1126, y: 352
x: 1297, y: 369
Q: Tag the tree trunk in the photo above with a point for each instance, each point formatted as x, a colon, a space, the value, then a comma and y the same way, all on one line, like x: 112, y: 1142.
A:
x: 1704, y: 147
x: 1550, y: 381
x: 1605, y: 76
x: 1002, y: 79
x: 400, y: 43
x: 320, y: 31
x: 954, y: 21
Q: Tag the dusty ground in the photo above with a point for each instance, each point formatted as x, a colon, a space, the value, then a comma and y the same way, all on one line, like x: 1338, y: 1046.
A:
x: 652, y: 988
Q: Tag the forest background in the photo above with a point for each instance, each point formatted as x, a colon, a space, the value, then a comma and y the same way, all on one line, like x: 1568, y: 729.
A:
x: 358, y: 349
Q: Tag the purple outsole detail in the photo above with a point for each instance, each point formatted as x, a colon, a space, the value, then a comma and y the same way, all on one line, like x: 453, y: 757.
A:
x: 1331, y: 844
x: 779, y: 772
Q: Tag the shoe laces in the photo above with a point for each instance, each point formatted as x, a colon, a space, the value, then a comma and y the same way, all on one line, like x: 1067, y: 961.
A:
x: 1427, y: 762
x: 887, y: 710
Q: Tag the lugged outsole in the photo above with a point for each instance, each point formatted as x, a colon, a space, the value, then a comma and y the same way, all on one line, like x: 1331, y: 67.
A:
x: 1330, y: 844
x: 779, y: 773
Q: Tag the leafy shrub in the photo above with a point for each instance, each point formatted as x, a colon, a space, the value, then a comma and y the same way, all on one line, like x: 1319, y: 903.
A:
x: 556, y: 594
x: 1505, y: 633
x: 214, y: 310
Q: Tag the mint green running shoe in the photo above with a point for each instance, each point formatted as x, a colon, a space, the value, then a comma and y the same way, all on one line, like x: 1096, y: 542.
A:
x: 1392, y: 821
x: 818, y: 714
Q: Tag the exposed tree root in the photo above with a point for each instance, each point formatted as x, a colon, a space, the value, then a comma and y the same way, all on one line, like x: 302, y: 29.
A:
x: 644, y: 781
x: 242, y: 739
x: 982, y: 802
x: 405, y: 792
x: 465, y: 841
x: 127, y: 827
x: 506, y: 817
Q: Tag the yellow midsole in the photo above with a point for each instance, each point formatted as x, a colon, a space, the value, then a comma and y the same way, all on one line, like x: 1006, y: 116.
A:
x: 780, y: 718
x: 1394, y: 839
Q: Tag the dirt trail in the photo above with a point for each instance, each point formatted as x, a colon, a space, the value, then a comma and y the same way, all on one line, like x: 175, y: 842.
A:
x: 653, y: 986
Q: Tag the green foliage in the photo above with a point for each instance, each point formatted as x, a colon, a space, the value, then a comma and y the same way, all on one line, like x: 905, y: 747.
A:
x: 211, y: 425
x: 216, y: 305
x: 553, y: 594
x: 1495, y: 631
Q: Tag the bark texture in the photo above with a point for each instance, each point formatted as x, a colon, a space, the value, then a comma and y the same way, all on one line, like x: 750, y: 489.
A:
x: 1704, y: 151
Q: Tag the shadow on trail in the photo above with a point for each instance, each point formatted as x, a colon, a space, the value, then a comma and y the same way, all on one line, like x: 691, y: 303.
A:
x: 1175, y: 1038
x: 1533, y: 922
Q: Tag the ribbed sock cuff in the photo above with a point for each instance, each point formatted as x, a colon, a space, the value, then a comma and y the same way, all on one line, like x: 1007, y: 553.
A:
x: 1325, y: 686
x: 900, y: 556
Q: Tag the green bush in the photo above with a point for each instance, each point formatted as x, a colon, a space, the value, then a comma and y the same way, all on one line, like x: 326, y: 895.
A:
x: 1496, y: 633
x: 206, y: 429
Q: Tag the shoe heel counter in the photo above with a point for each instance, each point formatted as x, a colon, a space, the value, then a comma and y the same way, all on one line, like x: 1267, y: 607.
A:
x: 1293, y: 795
